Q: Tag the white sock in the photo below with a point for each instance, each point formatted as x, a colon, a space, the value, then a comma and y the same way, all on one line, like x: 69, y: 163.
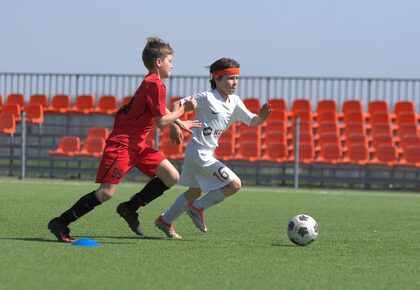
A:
x: 211, y: 198
x: 174, y: 212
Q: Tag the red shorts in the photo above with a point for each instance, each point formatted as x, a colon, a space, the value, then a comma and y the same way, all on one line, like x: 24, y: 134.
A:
x: 118, y: 159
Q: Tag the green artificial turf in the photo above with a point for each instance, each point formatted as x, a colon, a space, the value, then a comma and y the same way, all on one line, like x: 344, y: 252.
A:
x: 367, y: 240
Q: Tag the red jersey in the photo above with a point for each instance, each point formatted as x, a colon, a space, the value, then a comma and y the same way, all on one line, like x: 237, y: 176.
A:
x: 134, y: 121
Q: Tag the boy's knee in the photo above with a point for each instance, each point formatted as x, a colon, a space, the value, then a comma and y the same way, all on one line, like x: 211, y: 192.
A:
x: 192, y: 193
x: 171, y: 178
x: 104, y: 194
x: 235, y: 185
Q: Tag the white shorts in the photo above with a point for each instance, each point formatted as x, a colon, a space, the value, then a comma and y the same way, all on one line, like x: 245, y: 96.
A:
x: 202, y: 170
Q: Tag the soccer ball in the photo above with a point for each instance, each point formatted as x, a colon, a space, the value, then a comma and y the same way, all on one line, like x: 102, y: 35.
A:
x: 302, y: 230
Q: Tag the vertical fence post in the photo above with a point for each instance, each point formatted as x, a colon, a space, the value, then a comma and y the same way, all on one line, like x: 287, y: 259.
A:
x: 296, y: 173
x: 23, y: 147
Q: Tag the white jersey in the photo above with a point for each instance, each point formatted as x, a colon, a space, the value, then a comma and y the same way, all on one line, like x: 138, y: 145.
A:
x: 216, y: 115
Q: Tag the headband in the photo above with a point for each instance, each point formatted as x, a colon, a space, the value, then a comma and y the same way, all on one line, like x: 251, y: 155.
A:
x: 227, y: 71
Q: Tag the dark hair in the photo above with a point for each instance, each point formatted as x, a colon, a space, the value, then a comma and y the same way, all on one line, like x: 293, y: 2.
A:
x: 220, y: 64
x: 155, y: 48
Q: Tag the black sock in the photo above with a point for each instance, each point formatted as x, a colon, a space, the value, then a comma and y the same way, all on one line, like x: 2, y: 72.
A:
x: 152, y: 190
x: 84, y: 205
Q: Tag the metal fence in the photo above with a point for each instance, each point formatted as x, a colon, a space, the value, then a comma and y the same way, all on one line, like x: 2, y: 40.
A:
x: 262, y: 87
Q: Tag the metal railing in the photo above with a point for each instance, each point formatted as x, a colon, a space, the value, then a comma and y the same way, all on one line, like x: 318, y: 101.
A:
x: 262, y: 87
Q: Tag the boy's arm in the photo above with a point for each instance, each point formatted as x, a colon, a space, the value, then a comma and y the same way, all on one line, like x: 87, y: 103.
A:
x: 171, y: 117
x: 264, y: 113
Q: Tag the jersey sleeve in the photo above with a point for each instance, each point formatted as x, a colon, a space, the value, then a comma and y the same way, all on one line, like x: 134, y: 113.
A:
x: 242, y: 113
x: 157, y: 98
x: 199, y: 97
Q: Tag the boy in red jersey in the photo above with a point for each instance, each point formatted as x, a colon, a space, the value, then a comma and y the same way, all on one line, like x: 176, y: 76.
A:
x: 126, y: 147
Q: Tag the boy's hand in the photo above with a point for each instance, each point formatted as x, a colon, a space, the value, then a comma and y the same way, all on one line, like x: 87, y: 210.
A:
x: 188, y: 124
x: 190, y: 105
x: 265, y: 111
x: 175, y: 134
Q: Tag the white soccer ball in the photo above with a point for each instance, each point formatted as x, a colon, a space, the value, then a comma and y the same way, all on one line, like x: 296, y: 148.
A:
x: 302, y: 230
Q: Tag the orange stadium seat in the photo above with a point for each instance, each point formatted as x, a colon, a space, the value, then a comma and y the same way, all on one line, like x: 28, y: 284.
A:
x: 275, y: 136
x: 378, y: 106
x: 326, y: 106
x: 12, y: 109
x: 305, y: 127
x: 101, y: 132
x: 68, y: 146
x: 381, y: 129
x: 84, y: 104
x: 411, y: 156
x: 252, y: 104
x: 248, y: 150
x: 34, y: 113
x: 170, y: 150
x: 404, y: 107
x: 278, y: 105
x: 380, y: 118
x: 380, y: 140
x: 92, y: 147
x: 59, y: 104
x: 410, y: 140
x: 385, y: 154
x: 275, y: 151
x: 39, y: 99
x: 225, y: 150
x: 327, y: 116
x: 248, y: 132
x: 304, y: 116
x: 354, y: 117
x: 125, y: 101
x: 357, y: 154
x: 406, y: 118
x: 351, y: 106
x: 16, y: 99
x: 299, y: 105
x: 306, y: 153
x: 356, y: 139
x: 107, y: 105
x: 328, y: 128
x: 327, y: 138
x: 279, y: 115
x: 304, y: 138
x: 407, y: 129
x: 330, y: 153
x: 273, y: 125
x: 7, y: 124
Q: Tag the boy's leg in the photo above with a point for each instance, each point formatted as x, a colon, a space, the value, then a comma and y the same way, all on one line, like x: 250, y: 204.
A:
x: 166, y: 177
x: 181, y: 204
x: 165, y: 221
x: 213, y: 197
x: 59, y: 225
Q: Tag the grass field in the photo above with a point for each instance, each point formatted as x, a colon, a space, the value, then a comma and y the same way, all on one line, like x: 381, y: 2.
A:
x: 367, y: 240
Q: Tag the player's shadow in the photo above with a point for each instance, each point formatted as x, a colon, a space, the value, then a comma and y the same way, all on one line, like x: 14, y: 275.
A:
x: 30, y: 239
x: 144, y: 238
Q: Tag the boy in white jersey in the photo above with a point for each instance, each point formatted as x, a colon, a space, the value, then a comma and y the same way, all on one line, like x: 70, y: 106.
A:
x: 217, y: 110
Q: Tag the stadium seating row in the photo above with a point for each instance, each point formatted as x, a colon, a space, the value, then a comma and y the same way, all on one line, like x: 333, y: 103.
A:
x: 92, y: 146
x: 10, y: 111
x: 83, y: 104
